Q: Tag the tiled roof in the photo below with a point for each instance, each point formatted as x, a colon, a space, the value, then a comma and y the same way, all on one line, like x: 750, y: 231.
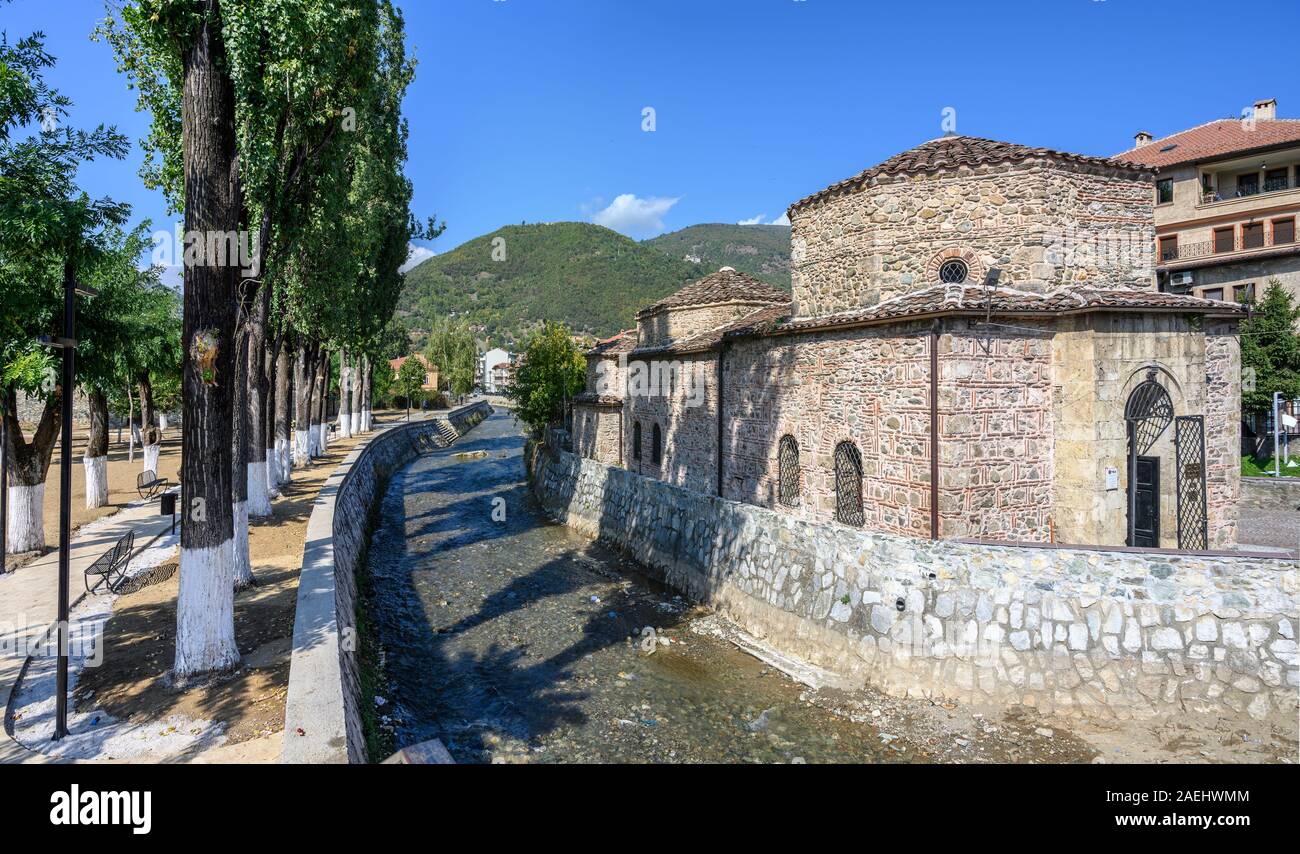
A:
x: 615, y: 345
x: 1220, y: 138
x: 974, y: 300
x: 710, y: 339
x: 726, y: 285
x: 953, y: 152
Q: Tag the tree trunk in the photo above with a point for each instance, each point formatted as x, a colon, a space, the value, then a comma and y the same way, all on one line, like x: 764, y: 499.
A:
x: 313, y: 404
x: 302, y: 377
x: 283, y: 408
x: 357, y: 382
x: 366, y: 403
x: 152, y: 436
x: 95, y: 459
x: 345, y: 408
x: 259, y: 498
x: 324, y: 403
x: 130, y: 423
x: 268, y: 427
x: 205, y: 624
x: 239, y: 453
x: 28, y: 465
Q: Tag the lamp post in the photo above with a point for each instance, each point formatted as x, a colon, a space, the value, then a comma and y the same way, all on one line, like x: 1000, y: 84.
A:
x: 68, y: 345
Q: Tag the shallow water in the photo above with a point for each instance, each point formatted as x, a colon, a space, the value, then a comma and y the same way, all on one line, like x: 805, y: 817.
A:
x: 518, y: 640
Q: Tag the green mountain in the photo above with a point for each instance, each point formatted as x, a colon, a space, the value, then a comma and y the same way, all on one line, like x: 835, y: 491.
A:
x: 763, y: 251
x: 592, y: 279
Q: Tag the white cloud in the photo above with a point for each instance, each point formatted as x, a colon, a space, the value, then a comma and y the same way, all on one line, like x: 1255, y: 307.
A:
x: 634, y: 216
x: 783, y: 219
x: 415, y: 257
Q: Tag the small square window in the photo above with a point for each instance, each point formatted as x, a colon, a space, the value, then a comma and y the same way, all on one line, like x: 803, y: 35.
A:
x: 1224, y: 239
x: 1164, y: 191
x: 1212, y: 293
x: 1283, y: 231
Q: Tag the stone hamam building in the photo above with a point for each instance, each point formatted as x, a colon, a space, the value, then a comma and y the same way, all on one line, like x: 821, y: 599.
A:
x: 975, y: 349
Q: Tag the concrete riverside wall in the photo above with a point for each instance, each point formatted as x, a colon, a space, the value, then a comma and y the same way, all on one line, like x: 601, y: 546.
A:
x: 1106, y: 633
x: 323, y: 700
x: 1267, y: 493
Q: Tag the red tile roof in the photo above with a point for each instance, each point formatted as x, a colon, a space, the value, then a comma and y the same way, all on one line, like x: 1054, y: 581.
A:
x: 954, y: 152
x: 614, y: 345
x: 1221, y: 138
x: 726, y: 285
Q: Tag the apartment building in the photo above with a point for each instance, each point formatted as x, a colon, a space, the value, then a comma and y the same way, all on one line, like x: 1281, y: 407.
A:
x: 1227, y: 196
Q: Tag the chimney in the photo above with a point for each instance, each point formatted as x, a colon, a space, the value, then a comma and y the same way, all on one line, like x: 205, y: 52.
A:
x: 1266, y: 110
x: 1141, y: 138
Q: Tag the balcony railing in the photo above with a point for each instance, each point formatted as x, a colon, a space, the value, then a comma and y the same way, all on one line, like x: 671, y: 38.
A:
x: 1240, y: 243
x: 1273, y: 185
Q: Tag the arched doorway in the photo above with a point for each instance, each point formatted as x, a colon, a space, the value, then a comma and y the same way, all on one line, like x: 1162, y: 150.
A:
x: 1147, y: 415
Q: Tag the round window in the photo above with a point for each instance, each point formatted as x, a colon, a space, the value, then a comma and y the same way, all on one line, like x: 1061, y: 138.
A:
x: 953, y: 271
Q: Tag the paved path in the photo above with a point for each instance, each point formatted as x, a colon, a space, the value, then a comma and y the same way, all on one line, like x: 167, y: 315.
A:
x: 28, y: 596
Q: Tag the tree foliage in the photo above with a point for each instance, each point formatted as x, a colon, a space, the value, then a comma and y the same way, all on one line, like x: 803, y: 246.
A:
x: 1270, y: 348
x: 453, y: 351
x: 551, y: 371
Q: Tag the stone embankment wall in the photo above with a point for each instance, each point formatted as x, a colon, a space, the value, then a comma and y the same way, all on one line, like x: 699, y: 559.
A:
x: 1267, y: 493
x: 1105, y: 633
x: 322, y: 718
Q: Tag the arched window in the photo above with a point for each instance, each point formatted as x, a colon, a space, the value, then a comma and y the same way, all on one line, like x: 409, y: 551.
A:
x: 848, y: 484
x: 788, y: 465
x: 656, y: 446
x: 636, y: 441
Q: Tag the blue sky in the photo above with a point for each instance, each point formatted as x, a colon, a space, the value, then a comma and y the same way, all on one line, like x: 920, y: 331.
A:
x: 532, y: 110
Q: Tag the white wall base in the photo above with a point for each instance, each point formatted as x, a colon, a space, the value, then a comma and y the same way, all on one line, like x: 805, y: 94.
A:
x: 96, y: 481
x: 151, y: 457
x: 26, y: 524
x: 205, y: 611
x: 259, y: 498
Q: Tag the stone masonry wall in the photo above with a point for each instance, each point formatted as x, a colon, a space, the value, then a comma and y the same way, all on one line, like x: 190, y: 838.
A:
x: 597, y: 433
x: 1102, y: 633
x: 324, y: 693
x: 689, y: 427
x: 1042, y: 224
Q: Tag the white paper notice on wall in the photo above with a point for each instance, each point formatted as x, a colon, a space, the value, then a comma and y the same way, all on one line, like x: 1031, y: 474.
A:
x: 1112, y: 478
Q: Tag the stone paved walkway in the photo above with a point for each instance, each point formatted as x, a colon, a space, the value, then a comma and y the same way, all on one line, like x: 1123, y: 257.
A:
x: 28, y: 597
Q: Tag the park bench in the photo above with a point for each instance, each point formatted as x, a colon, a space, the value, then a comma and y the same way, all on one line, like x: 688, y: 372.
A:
x: 148, y: 484
x: 110, y: 568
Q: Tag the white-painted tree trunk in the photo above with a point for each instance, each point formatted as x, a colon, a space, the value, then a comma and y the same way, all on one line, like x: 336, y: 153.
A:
x: 365, y: 419
x: 135, y: 439
x: 272, y: 468
x: 162, y: 420
x: 151, y: 457
x: 324, y: 438
x: 301, y: 447
x: 345, y: 415
x: 284, y: 471
x: 96, y: 481
x: 259, y: 496
x: 239, y: 554
x: 26, y: 525
x: 205, y: 611
x: 356, y: 421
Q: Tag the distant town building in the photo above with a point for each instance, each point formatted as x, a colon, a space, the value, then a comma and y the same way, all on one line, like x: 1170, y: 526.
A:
x: 974, y: 348
x: 430, y: 371
x: 1227, y: 196
x: 494, y: 370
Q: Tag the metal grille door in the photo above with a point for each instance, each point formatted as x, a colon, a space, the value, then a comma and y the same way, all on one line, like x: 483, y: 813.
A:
x: 1189, y: 442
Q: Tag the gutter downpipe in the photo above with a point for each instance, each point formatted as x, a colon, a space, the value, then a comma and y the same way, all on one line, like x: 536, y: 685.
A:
x: 934, y: 429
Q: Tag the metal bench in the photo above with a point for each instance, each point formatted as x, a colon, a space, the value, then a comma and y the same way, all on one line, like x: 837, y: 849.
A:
x: 148, y: 484
x: 110, y: 568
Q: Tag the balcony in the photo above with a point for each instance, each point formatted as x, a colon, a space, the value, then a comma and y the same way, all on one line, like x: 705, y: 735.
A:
x: 1271, y: 185
x: 1242, y: 241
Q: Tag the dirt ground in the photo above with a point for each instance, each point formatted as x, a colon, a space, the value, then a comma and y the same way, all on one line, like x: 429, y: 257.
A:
x: 121, y: 483
x: 134, y: 680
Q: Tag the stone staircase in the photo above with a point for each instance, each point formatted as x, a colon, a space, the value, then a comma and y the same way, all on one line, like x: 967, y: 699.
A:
x: 446, y: 433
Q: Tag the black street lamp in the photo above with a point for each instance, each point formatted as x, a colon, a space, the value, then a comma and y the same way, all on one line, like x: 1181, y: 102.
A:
x: 68, y: 344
